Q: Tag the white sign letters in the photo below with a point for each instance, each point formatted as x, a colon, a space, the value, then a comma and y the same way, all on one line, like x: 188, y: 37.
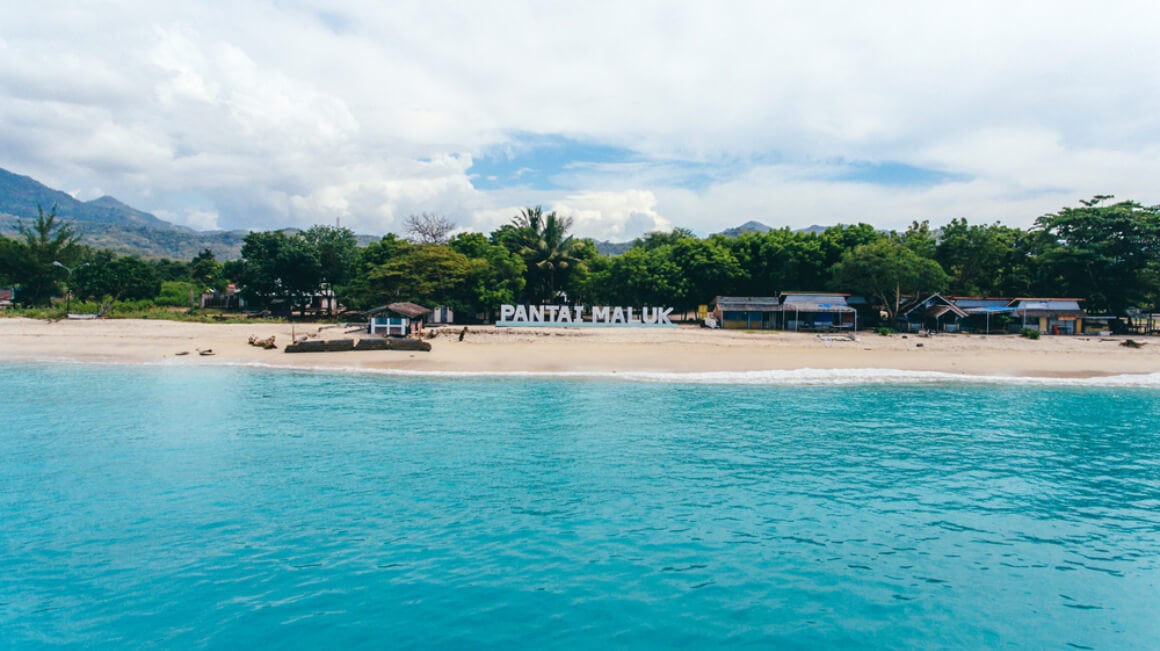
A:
x: 574, y: 315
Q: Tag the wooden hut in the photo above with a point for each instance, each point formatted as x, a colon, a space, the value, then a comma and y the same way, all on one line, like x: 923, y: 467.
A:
x: 745, y: 312
x: 814, y: 311
x: 396, y: 319
x: 1056, y: 316
x: 934, y: 313
x: 985, y: 314
x: 817, y: 311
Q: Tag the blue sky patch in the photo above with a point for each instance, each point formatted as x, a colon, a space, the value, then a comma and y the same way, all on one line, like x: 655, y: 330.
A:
x: 335, y: 22
x: 556, y: 162
x: 890, y: 173
x: 538, y: 161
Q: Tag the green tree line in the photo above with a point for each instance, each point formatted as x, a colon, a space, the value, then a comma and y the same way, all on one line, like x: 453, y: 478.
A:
x: 1105, y: 252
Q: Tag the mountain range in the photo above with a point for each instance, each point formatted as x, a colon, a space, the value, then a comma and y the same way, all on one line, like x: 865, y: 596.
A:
x: 110, y: 224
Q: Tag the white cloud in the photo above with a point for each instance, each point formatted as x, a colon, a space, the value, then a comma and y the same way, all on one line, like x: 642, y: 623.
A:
x: 1031, y: 160
x: 614, y: 216
x: 202, y: 220
x: 266, y: 114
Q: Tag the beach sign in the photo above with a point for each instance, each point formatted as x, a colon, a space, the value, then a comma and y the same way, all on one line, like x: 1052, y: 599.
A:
x: 582, y: 316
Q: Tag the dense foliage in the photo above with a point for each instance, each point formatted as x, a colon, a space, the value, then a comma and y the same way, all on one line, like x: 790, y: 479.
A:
x: 48, y: 261
x: 1106, y: 253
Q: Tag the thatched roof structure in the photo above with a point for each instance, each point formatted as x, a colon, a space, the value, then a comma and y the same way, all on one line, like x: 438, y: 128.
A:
x: 409, y: 310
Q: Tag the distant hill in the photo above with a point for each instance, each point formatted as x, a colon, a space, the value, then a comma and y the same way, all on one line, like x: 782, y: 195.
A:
x: 20, y: 196
x: 617, y: 248
x: 747, y: 227
x: 144, y: 241
x: 612, y: 248
x: 110, y: 224
x: 758, y: 227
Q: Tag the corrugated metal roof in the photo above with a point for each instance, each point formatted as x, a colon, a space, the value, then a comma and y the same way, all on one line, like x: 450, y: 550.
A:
x: 815, y: 299
x: 815, y: 307
x: 745, y: 303
x: 968, y: 302
x: 1051, y: 304
x: 993, y: 309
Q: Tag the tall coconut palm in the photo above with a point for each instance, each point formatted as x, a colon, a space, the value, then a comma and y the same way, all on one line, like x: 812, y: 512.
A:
x: 547, y: 249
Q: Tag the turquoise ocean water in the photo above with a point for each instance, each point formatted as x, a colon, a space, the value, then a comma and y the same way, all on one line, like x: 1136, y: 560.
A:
x: 236, y: 507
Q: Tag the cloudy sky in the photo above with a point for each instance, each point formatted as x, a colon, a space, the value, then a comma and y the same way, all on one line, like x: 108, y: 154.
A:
x: 631, y: 115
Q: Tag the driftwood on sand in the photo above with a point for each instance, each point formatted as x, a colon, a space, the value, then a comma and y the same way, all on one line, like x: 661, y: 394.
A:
x: 266, y: 343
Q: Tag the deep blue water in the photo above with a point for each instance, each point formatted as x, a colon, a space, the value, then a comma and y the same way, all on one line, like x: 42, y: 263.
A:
x: 232, y: 507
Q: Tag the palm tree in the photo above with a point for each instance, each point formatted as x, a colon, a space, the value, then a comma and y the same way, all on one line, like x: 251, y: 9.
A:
x: 546, y: 247
x: 46, y: 241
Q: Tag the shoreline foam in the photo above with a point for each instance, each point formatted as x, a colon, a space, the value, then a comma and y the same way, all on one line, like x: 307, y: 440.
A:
x: 807, y: 377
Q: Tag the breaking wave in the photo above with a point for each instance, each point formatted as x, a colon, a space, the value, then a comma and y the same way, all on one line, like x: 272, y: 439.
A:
x: 779, y: 377
x: 795, y: 377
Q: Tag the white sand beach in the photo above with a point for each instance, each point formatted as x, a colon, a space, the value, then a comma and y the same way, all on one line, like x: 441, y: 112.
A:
x: 588, y: 350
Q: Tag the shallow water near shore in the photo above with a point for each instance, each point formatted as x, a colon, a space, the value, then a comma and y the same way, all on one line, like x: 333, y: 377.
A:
x: 224, y: 507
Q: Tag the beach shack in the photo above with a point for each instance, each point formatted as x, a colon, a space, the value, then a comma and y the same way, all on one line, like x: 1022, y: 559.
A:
x: 817, y: 311
x: 984, y: 313
x: 934, y: 313
x: 813, y: 311
x: 1056, y: 316
x: 745, y: 312
x: 396, y: 319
